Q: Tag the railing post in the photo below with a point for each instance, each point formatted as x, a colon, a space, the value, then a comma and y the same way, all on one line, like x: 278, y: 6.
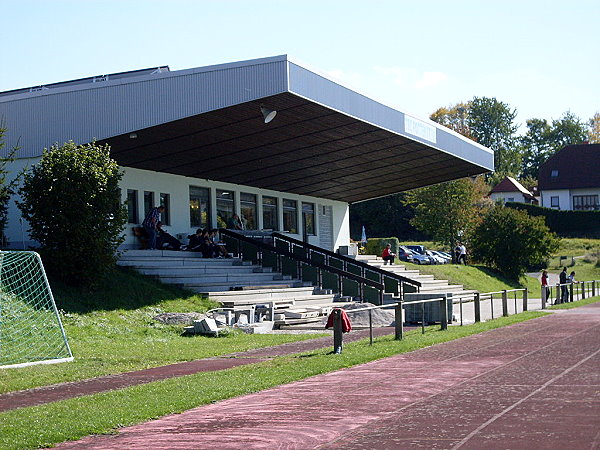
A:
x: 571, y: 292
x: 558, y: 293
x: 477, y: 307
x: 337, y: 331
x: 582, y: 289
x: 504, y: 303
x: 444, y: 315
x: 594, y: 288
x: 525, y: 300
x: 399, y: 329
x: 544, y: 293
x: 370, y: 327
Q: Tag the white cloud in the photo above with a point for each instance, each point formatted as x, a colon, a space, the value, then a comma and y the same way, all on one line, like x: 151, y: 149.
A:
x: 430, y: 79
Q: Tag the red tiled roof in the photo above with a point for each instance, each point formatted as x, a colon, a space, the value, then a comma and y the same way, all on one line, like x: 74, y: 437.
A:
x: 576, y: 166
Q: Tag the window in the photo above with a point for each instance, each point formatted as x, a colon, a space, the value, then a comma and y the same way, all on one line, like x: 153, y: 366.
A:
x: 270, y: 213
x: 554, y: 203
x: 554, y: 173
x: 165, y: 200
x: 308, y: 218
x: 132, y: 206
x: 225, y: 208
x: 199, y: 207
x: 510, y: 199
x: 148, y: 202
x: 248, y: 211
x: 585, y: 202
x: 290, y: 216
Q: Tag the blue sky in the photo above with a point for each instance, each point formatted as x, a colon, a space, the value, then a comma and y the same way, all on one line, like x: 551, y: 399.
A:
x: 540, y: 57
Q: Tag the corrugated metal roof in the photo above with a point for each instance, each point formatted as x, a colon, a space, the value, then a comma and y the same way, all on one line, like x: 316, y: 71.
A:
x: 326, y: 140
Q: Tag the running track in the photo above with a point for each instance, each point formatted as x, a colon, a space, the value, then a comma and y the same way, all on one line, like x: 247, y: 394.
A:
x: 533, y: 385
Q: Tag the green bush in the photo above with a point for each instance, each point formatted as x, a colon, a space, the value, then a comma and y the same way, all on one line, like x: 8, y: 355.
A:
x: 376, y: 245
x: 512, y: 241
x: 71, y: 200
x: 565, y: 223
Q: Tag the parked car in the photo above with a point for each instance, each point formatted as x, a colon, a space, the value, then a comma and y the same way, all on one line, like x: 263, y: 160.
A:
x: 417, y: 258
x: 404, y: 254
x: 445, y: 256
x: 436, y: 259
x: 420, y: 249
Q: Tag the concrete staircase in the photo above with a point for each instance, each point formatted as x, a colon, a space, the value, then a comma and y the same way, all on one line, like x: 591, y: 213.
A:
x: 428, y: 282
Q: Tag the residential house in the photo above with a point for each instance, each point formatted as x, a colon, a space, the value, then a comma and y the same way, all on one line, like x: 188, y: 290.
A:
x: 510, y: 190
x: 570, y: 179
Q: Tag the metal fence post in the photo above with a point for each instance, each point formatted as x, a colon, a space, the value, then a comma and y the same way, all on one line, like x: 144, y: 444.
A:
x: 504, y: 303
x: 444, y: 315
x: 399, y: 329
x: 558, y: 293
x: 337, y: 331
x: 594, y: 288
x: 582, y: 290
x: 544, y: 293
x: 370, y: 327
x: 570, y: 292
x: 525, y: 300
x: 477, y: 307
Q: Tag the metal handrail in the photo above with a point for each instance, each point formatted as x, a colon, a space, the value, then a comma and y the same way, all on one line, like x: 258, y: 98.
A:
x: 346, y: 259
x: 335, y: 270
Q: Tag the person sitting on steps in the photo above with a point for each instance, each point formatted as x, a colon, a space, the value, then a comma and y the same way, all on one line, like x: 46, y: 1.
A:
x: 166, y: 241
x: 387, y: 255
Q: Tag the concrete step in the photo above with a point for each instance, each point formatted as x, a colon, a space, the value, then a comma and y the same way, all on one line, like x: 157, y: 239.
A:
x: 199, y: 271
x: 182, y: 262
x: 210, y: 288
x: 264, y: 294
x: 224, y: 278
x: 159, y: 254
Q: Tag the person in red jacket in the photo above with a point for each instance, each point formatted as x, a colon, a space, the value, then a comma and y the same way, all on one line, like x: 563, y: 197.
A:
x: 387, y: 255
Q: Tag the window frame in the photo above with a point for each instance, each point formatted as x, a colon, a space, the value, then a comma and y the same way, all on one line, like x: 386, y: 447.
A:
x: 274, y: 207
x: 133, y: 210
x: 249, y: 205
x: 198, y: 215
x: 290, y: 211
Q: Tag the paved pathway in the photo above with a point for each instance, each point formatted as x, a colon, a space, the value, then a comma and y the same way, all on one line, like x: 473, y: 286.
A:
x: 531, y: 385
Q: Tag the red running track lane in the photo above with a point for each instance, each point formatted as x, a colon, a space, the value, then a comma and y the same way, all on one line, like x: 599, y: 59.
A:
x: 62, y: 391
x: 527, y: 386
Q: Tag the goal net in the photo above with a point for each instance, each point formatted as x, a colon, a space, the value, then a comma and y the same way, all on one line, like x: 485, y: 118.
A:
x: 30, y: 328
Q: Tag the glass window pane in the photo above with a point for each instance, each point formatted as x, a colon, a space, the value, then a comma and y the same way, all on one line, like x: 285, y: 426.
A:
x: 132, y: 206
x: 199, y: 207
x: 308, y: 218
x: 165, y: 200
x: 148, y: 202
x: 225, y: 208
x: 270, y: 213
x: 248, y: 211
x: 290, y: 216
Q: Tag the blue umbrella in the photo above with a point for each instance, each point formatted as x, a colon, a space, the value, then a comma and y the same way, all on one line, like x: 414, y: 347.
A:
x: 363, y: 238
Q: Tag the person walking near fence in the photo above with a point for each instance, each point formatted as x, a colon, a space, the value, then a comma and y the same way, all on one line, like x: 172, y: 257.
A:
x: 545, y: 284
x: 462, y: 253
x: 564, y: 291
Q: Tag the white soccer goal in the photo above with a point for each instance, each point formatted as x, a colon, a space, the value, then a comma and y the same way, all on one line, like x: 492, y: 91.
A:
x: 30, y: 328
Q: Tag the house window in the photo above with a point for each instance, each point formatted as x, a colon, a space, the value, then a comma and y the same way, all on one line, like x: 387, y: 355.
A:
x: 165, y: 200
x: 290, y: 216
x: 308, y: 218
x: 270, y: 213
x: 132, y: 206
x: 585, y: 202
x: 148, y: 202
x: 554, y: 173
x: 248, y: 210
x: 225, y: 207
x: 510, y: 199
x: 199, y: 207
x: 554, y: 203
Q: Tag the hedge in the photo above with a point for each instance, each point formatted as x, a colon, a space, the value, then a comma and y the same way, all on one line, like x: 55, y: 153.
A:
x: 565, y: 223
x: 376, y: 245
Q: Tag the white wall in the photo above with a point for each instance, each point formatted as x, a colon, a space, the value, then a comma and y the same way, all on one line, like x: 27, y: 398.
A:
x: 504, y: 196
x: 178, y: 188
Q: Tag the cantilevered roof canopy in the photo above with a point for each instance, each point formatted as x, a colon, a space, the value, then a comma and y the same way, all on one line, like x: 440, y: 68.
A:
x: 326, y: 140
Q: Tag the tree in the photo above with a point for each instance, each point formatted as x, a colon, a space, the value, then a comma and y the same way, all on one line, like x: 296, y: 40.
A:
x: 71, y: 200
x: 511, y: 241
x: 454, y: 117
x: 6, y: 187
x: 568, y: 130
x: 491, y: 123
x: 594, y: 131
x: 447, y: 211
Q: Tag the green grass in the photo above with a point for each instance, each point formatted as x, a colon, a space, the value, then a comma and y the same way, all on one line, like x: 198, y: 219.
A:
x: 119, y: 334
x: 74, y: 418
x: 575, y: 304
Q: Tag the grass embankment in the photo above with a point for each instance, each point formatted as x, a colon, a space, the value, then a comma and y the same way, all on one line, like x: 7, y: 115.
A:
x: 586, y: 264
x: 102, y: 413
x: 113, y: 331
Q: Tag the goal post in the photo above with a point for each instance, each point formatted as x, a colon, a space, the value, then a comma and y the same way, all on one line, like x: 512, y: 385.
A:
x: 31, y: 331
